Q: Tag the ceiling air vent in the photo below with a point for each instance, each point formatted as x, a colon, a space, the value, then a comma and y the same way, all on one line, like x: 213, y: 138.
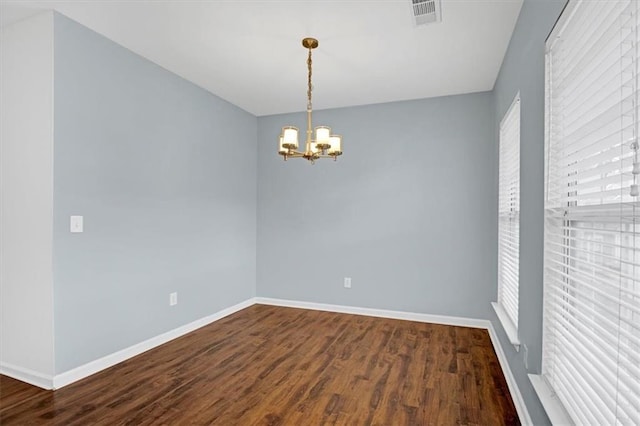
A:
x: 426, y: 11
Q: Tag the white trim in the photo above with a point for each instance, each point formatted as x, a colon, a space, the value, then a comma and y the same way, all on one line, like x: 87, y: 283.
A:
x: 518, y: 400
x: 408, y: 316
x: 549, y: 400
x: 558, y: 27
x: 105, y: 362
x: 508, y: 326
x: 28, y: 376
x: 515, y: 101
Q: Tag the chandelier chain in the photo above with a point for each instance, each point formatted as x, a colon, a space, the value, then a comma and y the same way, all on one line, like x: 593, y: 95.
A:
x: 309, y: 82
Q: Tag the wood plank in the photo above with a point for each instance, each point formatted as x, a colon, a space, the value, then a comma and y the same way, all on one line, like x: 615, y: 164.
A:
x: 13, y: 392
x: 268, y: 365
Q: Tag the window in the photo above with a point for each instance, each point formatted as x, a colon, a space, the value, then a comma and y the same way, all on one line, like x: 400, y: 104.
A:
x: 591, y: 333
x: 509, y: 221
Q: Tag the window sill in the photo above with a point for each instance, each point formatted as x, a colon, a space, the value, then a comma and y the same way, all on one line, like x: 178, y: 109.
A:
x: 550, y: 402
x: 507, y: 324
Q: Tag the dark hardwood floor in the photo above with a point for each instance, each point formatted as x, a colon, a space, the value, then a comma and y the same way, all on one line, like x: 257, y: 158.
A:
x: 269, y: 365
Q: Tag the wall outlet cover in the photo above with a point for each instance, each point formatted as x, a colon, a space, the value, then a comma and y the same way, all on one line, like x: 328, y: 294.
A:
x: 76, y: 224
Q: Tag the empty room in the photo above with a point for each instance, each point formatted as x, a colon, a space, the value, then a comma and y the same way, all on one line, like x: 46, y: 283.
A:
x: 359, y: 212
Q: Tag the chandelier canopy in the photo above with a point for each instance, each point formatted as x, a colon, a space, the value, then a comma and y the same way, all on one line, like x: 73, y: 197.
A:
x: 325, y: 145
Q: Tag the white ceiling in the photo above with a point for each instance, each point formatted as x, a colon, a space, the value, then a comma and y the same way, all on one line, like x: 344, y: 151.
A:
x: 250, y: 52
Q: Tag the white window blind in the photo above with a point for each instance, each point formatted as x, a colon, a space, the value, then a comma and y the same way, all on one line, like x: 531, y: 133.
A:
x: 591, y: 335
x: 509, y: 212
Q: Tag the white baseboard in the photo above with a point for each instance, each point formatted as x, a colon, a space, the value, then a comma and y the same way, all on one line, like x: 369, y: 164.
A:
x: 382, y: 313
x: 518, y: 401
x: 25, y: 375
x: 105, y: 362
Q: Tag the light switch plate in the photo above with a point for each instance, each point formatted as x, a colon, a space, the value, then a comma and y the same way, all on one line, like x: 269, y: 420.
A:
x: 76, y: 224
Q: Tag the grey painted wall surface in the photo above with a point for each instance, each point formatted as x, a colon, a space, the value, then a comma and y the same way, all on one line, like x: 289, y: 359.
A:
x: 164, y: 174
x: 523, y: 70
x: 408, y: 212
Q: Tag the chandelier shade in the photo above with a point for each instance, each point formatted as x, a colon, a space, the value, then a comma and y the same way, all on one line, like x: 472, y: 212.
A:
x: 290, y: 137
x: 318, y: 144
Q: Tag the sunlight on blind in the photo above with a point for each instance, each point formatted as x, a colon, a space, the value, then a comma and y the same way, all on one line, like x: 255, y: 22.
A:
x: 591, y: 340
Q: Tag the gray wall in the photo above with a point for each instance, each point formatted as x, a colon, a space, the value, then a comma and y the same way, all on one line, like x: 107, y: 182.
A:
x: 164, y: 174
x: 523, y: 70
x: 409, y: 212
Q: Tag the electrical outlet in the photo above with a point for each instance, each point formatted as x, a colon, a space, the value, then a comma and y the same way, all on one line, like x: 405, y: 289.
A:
x: 173, y: 299
x: 347, y: 282
x: 525, y: 356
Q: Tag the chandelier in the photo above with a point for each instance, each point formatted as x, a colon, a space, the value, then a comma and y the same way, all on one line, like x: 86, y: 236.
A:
x: 325, y: 145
